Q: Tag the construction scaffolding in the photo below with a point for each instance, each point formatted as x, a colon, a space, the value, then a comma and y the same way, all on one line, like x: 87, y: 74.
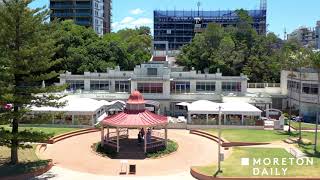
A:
x: 179, y: 27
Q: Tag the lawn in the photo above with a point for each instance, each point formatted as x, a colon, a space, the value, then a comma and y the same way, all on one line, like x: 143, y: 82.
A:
x: 232, y: 166
x: 246, y: 135
x: 306, y: 126
x: 50, y: 130
x: 308, y: 148
x: 28, y: 160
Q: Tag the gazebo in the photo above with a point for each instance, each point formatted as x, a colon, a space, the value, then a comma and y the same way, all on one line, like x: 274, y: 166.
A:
x: 134, y: 116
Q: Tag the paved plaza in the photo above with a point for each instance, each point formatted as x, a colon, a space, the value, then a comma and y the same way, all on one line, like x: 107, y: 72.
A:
x: 75, y: 155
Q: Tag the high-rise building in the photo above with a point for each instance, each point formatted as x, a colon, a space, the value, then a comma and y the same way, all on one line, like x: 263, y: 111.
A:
x: 318, y: 35
x: 89, y: 13
x: 173, y: 29
x: 306, y: 36
x: 107, y: 16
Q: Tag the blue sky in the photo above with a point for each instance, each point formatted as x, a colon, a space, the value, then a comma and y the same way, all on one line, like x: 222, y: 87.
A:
x: 288, y: 14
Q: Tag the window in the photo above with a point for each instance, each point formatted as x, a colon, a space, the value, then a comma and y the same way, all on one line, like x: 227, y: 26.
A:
x: 206, y: 86
x: 150, y: 87
x: 179, y: 87
x: 152, y: 71
x: 231, y: 86
x: 100, y: 85
x: 122, y: 86
x: 75, y: 84
x: 310, y: 88
x: 294, y: 85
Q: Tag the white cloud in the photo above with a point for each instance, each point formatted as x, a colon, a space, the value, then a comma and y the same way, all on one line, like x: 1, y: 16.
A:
x: 136, y: 11
x: 130, y: 22
x: 142, y: 22
x: 127, y: 20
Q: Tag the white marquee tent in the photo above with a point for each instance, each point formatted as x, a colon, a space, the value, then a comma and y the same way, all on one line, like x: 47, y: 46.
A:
x: 208, y: 107
x: 204, y: 107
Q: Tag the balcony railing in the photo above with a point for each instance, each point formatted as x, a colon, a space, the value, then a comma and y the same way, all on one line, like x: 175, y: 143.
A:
x: 61, y: 6
x: 263, y: 85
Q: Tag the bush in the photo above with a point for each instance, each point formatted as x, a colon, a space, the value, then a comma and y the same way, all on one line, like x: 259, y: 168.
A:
x: 103, y: 151
x: 171, y: 147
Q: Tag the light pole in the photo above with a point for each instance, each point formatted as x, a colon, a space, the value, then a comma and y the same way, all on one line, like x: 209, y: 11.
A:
x: 219, y: 143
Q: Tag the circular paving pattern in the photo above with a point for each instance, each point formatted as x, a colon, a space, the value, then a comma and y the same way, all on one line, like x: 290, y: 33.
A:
x: 75, y: 153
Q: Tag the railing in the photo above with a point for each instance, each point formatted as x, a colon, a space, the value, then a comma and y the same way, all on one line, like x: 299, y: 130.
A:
x: 157, y: 134
x: 61, y: 6
x: 263, y: 85
x: 63, y: 14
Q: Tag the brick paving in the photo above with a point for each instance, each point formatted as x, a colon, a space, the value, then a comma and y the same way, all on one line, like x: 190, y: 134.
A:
x: 75, y: 154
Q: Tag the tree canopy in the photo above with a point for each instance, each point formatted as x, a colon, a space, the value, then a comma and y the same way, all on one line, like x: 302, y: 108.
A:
x: 82, y: 50
x: 235, y: 50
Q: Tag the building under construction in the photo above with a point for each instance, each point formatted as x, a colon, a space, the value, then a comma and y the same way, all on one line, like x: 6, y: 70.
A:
x: 173, y: 29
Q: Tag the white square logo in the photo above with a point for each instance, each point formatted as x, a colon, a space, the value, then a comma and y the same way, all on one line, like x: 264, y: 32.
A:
x: 245, y: 161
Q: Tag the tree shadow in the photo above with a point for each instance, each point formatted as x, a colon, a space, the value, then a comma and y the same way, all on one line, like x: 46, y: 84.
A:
x: 8, y: 169
x: 286, y: 133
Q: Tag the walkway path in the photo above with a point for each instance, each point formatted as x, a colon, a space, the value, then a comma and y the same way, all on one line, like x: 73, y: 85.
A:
x: 59, y: 173
x: 75, y: 155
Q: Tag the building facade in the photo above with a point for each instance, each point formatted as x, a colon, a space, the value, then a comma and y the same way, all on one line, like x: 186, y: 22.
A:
x: 304, y: 88
x: 306, y: 36
x: 158, y: 82
x: 177, y: 28
x: 318, y: 35
x: 89, y: 13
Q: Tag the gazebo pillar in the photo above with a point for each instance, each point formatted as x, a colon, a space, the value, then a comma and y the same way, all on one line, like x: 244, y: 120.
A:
x: 166, y: 135
x: 145, y: 140
x: 117, y: 139
x: 102, y: 135
x: 107, y: 133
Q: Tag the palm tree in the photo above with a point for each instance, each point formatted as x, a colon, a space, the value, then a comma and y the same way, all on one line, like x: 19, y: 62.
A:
x: 315, y: 60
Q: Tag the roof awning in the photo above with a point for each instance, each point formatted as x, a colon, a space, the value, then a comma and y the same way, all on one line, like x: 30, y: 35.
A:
x: 183, y: 104
x: 135, y: 120
x: 208, y: 107
x: 153, y: 103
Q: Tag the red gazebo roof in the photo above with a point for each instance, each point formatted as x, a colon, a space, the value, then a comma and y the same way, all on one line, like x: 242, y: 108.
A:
x: 135, y: 115
x: 135, y: 98
x: 135, y: 119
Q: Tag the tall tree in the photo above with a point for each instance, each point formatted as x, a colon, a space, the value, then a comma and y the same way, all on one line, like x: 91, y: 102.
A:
x: 315, y: 60
x: 289, y: 63
x: 301, y: 59
x: 26, y: 47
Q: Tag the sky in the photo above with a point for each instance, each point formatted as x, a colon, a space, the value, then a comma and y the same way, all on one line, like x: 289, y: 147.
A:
x: 282, y: 14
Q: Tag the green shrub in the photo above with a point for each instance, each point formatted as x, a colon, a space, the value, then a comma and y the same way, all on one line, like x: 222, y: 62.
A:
x: 171, y: 147
x: 103, y: 151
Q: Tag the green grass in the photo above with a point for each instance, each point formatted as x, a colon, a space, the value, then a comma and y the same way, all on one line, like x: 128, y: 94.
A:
x: 308, y: 148
x: 306, y: 126
x: 171, y: 147
x: 50, y: 130
x: 246, y: 135
x: 28, y: 161
x: 231, y: 167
